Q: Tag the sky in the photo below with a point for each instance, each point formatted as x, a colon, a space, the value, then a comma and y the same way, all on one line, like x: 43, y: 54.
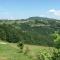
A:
x: 20, y: 9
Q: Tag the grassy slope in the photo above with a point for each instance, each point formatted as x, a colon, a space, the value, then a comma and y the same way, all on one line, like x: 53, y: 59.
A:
x: 10, y: 52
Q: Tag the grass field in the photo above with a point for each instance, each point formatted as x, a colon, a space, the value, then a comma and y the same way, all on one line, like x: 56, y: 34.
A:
x: 10, y: 51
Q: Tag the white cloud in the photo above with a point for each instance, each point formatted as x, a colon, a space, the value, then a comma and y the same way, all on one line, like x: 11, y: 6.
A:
x: 51, y: 10
x: 55, y: 12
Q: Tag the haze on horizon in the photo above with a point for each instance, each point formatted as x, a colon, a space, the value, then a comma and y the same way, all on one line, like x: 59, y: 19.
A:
x: 20, y: 9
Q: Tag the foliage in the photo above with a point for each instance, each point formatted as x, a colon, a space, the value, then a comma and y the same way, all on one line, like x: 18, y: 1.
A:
x: 21, y: 46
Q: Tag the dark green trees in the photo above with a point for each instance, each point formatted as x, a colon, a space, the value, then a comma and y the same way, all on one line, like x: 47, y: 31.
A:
x: 21, y: 46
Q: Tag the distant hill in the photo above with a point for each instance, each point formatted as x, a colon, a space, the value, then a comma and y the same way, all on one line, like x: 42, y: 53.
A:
x: 31, y: 18
x: 40, y: 18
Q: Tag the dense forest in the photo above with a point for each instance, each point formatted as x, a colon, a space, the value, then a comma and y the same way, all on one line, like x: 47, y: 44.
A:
x: 34, y: 30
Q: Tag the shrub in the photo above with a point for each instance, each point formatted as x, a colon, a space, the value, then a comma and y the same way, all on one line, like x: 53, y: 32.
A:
x: 21, y: 46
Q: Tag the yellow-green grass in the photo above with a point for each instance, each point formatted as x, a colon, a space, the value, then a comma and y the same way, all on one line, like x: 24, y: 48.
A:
x: 10, y: 51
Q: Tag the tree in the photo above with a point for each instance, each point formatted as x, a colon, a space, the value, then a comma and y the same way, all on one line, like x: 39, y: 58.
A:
x: 21, y: 46
x: 56, y: 37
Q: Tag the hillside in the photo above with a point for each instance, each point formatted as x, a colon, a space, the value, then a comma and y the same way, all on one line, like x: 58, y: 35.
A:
x: 34, y: 30
x: 40, y: 37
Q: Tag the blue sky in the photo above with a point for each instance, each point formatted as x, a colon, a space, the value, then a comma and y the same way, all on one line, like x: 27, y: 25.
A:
x: 19, y: 9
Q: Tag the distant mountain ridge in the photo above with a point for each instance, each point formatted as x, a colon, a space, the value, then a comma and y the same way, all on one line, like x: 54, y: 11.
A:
x: 40, y: 18
x: 33, y: 18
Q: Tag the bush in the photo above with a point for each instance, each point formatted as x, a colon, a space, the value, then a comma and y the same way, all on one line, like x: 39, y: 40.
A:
x: 21, y: 46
